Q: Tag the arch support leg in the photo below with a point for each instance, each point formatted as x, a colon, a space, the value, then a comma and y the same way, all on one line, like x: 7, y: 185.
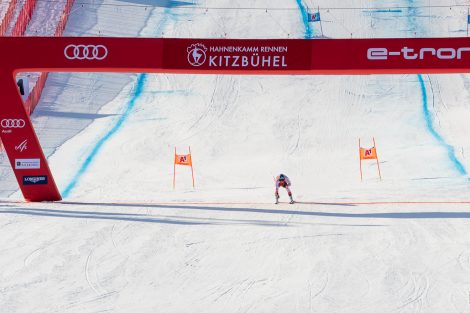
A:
x: 22, y: 145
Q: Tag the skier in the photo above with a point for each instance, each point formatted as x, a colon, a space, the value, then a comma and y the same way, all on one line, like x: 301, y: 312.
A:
x: 283, y: 181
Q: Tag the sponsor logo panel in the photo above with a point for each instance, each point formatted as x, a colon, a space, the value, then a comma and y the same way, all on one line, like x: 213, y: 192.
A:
x: 22, y: 146
x: 242, y: 56
x: 23, y: 164
x: 35, y: 180
x: 8, y: 124
x: 239, y: 55
x: 407, y: 53
x: 85, y: 52
x: 197, y: 54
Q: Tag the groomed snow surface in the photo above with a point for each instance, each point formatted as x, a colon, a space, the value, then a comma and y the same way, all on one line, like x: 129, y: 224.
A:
x: 123, y: 240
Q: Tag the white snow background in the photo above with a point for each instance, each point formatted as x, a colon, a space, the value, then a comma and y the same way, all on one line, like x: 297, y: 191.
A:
x: 123, y: 240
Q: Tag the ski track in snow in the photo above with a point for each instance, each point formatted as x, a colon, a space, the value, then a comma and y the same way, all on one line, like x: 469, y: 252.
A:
x: 96, y: 149
x: 87, y: 274
x: 430, y: 125
x: 140, y: 83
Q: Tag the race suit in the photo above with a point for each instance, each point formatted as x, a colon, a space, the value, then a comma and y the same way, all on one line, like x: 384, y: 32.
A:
x: 283, y: 183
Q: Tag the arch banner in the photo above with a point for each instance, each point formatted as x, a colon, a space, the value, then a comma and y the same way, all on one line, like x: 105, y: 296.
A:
x: 199, y: 56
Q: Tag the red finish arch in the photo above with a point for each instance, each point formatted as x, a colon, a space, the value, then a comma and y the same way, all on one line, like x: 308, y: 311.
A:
x: 199, y: 56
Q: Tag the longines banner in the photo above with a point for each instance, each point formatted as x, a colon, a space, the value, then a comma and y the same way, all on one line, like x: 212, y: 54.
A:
x: 199, y: 56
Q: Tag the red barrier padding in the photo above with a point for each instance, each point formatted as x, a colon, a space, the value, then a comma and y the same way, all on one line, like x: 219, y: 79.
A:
x: 23, y: 19
x: 35, y: 94
x: 63, y: 19
x: 7, y: 18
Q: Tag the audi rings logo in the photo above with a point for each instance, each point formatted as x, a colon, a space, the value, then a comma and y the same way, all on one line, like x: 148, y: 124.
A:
x: 85, y: 52
x: 196, y: 54
x: 12, y: 123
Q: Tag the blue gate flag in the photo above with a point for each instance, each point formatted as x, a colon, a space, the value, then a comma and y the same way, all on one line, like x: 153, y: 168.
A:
x: 314, y: 17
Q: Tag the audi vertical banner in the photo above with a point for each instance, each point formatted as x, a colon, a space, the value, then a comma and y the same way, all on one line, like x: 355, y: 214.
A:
x: 190, y: 55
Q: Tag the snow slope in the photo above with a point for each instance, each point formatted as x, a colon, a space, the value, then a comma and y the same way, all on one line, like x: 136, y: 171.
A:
x: 245, y: 130
x: 123, y: 241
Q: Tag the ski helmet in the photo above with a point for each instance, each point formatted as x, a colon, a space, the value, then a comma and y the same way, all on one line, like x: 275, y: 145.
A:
x: 282, y: 177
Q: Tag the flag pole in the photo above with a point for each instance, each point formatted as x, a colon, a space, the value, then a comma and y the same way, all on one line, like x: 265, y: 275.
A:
x: 468, y: 13
x: 377, y: 158
x: 192, y: 171
x: 360, y: 159
x: 174, y: 170
x: 321, y: 26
